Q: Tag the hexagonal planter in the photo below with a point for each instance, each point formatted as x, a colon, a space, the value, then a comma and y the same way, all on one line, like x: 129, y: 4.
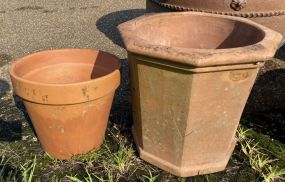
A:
x: 68, y: 95
x: 191, y: 76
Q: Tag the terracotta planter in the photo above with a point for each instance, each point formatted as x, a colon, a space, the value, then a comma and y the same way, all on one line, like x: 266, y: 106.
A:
x: 270, y: 13
x: 68, y: 95
x: 191, y: 76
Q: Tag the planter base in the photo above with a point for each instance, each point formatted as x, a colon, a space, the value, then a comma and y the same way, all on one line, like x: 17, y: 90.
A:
x: 184, y: 171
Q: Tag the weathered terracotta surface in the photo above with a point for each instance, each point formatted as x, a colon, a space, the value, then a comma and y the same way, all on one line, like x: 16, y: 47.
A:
x: 270, y: 13
x: 68, y: 94
x: 191, y: 75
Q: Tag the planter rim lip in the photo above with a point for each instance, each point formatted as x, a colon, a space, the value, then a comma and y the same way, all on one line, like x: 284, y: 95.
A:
x: 258, y: 52
x: 65, y: 94
x: 13, y: 74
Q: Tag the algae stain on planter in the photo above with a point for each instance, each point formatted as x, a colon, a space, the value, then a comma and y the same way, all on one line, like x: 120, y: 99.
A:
x: 45, y: 98
x: 95, y: 88
x: 238, y: 75
x: 34, y: 92
x: 85, y: 93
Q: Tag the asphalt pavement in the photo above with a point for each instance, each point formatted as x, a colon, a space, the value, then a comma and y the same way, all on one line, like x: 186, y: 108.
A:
x: 29, y: 26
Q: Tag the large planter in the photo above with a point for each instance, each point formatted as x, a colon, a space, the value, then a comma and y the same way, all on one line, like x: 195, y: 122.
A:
x: 191, y: 75
x: 270, y: 13
x: 68, y: 94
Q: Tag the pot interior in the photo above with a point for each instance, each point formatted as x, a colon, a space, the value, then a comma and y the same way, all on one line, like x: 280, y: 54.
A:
x: 65, y: 66
x: 197, y: 31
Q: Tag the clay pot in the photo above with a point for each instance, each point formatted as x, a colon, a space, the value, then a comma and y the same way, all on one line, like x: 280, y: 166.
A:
x: 68, y: 94
x: 270, y: 13
x: 191, y: 75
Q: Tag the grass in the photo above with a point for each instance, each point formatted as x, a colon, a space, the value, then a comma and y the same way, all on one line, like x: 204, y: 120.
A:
x: 149, y: 178
x: 28, y: 169
x: 265, y: 157
x: 256, y: 158
x: 121, y: 161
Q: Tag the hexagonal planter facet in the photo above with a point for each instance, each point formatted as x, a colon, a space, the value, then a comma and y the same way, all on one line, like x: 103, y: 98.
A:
x: 68, y: 95
x: 191, y: 75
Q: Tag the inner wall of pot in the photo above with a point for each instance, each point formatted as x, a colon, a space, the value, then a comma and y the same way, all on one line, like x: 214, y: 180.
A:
x: 194, y: 31
x: 64, y: 68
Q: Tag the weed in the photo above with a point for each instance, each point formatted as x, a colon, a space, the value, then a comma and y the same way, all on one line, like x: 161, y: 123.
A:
x: 242, y: 133
x: 74, y: 178
x: 6, y: 173
x: 3, y: 164
x: 261, y: 162
x: 101, y: 179
x: 273, y: 174
x: 90, y: 179
x: 90, y: 157
x: 121, y: 160
x: 149, y: 178
x: 27, y: 170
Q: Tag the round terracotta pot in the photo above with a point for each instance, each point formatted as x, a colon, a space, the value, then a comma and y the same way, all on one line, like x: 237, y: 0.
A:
x: 68, y: 94
x: 270, y: 13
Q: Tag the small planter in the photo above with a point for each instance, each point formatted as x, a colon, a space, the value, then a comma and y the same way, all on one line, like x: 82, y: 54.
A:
x: 68, y: 94
x: 191, y: 76
x: 270, y: 13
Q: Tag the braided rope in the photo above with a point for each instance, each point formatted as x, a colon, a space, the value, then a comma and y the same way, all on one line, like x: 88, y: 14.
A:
x: 238, y: 14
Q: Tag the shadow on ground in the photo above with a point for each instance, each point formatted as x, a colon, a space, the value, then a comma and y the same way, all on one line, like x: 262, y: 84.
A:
x: 20, y: 105
x: 265, y: 109
x: 108, y: 23
x: 121, y: 109
x: 10, y: 125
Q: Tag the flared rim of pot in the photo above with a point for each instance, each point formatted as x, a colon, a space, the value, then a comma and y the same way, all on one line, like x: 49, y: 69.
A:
x: 261, y: 49
x: 81, y: 91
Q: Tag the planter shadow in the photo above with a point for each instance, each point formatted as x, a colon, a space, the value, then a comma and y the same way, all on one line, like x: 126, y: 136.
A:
x: 265, y: 108
x: 121, y: 109
x: 280, y: 54
x: 107, y: 24
x: 10, y: 128
x: 21, y: 107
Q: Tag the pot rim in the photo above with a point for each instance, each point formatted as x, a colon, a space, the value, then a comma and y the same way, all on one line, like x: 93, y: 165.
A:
x: 260, y: 51
x: 12, y: 68
x: 65, y: 94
